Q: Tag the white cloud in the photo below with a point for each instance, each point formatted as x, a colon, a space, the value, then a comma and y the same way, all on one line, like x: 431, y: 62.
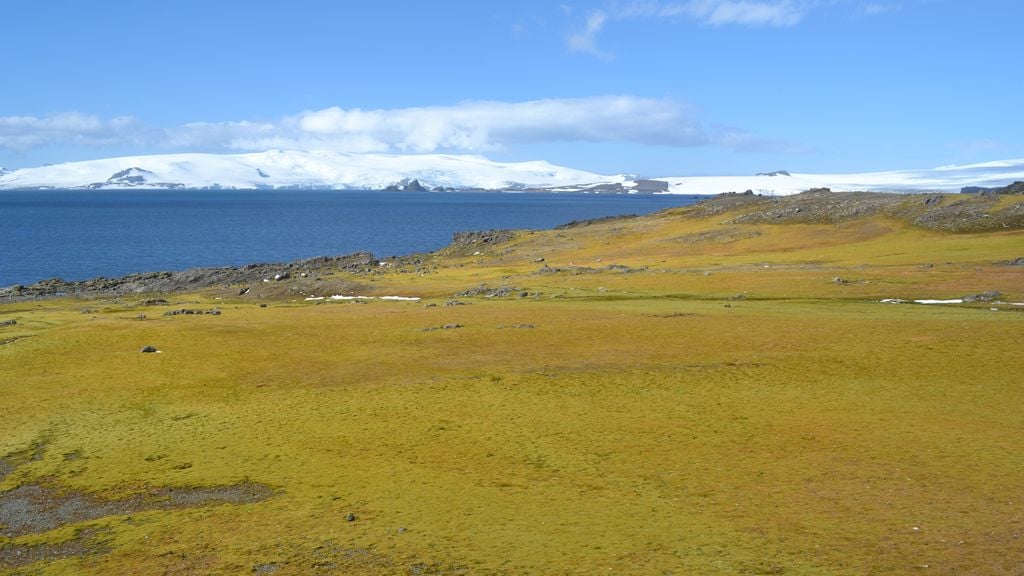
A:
x: 585, y: 40
x: 472, y: 126
x: 775, y: 13
x: 782, y: 13
x: 24, y: 132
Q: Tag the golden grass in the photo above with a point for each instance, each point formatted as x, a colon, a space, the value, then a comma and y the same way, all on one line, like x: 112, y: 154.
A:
x: 643, y: 425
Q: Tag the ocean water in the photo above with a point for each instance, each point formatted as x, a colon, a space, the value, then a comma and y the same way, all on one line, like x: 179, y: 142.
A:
x: 75, y: 235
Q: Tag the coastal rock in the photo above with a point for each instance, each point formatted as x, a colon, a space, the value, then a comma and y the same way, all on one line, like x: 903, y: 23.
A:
x: 186, y: 280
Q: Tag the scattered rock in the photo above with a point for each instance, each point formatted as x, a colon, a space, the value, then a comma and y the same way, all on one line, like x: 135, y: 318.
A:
x: 454, y: 303
x: 263, y: 305
x: 990, y: 296
x: 445, y: 327
x: 465, y: 243
x: 148, y: 349
x: 516, y: 326
x: 243, y: 291
x: 486, y: 292
x: 9, y: 323
x: 192, y: 312
x: 350, y: 517
x: 1014, y: 262
x: 154, y: 302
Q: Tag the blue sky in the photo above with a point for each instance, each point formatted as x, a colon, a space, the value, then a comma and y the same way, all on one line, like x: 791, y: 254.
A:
x: 685, y: 87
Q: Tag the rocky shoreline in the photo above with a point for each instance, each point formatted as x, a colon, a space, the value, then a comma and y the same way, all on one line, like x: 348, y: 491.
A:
x: 955, y: 213
x: 191, y: 279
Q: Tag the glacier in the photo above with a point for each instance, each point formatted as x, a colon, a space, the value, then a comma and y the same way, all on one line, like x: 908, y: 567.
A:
x: 292, y: 169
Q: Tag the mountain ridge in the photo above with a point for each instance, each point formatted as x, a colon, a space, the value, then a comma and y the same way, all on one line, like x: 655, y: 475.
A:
x: 293, y: 169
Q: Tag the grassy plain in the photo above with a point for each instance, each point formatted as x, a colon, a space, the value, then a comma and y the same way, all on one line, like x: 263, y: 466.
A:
x: 674, y: 396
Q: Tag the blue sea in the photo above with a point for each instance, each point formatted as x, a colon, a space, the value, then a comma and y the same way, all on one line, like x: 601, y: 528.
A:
x: 75, y: 234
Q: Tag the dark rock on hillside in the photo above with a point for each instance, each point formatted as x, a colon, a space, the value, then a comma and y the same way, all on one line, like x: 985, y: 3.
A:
x: 592, y: 221
x: 464, y: 243
x: 414, y: 186
x: 407, y: 186
x: 775, y: 173
x: 1013, y: 262
x: 134, y: 176
x: 486, y: 292
x: 4, y: 171
x: 990, y: 296
x: 951, y: 213
x: 1015, y: 188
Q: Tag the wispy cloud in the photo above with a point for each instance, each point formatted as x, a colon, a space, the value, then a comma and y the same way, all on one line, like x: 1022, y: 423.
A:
x: 782, y: 13
x: 714, y: 13
x: 25, y: 132
x: 585, y: 40
x: 468, y: 127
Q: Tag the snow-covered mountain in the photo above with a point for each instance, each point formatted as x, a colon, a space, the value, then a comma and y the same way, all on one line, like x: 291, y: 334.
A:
x: 294, y: 169
x: 336, y: 170
x: 942, y: 179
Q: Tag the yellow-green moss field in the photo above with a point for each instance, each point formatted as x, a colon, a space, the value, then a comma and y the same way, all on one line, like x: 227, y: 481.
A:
x: 648, y: 421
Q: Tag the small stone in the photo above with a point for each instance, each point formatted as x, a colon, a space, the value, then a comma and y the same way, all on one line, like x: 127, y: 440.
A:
x: 263, y: 305
x: 350, y: 517
x: 148, y: 349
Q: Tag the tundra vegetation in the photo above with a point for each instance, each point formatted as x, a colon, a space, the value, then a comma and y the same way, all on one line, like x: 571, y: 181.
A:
x: 716, y: 389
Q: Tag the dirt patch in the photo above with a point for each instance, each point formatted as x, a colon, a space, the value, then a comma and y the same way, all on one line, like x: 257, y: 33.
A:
x: 86, y: 541
x: 37, y: 508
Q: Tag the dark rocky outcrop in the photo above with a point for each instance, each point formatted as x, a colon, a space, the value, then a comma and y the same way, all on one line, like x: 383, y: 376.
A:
x: 134, y: 176
x: 407, y: 186
x: 465, y: 243
x: 989, y: 296
x: 592, y: 221
x: 950, y: 213
x: 486, y: 292
x: 1015, y: 188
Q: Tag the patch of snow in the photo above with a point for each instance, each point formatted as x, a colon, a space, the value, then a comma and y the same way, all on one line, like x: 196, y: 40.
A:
x: 953, y: 301
x: 401, y: 298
